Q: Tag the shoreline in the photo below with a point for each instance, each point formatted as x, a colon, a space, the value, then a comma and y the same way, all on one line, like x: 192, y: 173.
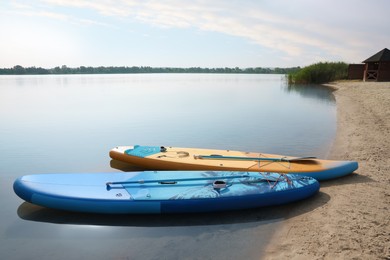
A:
x: 354, y: 222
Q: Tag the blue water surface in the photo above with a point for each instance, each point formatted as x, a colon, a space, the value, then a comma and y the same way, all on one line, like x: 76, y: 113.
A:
x: 68, y: 123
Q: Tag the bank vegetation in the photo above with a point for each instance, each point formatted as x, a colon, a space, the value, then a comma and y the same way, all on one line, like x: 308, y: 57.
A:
x: 318, y: 73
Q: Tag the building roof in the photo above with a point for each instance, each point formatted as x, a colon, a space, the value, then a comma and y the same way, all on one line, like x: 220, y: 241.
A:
x: 383, y: 55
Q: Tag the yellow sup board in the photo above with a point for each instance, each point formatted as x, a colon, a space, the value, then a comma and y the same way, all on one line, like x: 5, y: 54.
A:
x: 176, y: 158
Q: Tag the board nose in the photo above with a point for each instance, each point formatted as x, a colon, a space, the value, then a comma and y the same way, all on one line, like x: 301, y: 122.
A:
x: 22, y: 190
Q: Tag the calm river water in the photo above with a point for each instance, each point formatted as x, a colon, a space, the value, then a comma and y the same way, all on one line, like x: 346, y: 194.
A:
x: 69, y: 123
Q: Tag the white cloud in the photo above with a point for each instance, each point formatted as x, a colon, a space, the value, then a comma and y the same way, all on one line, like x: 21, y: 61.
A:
x: 291, y: 35
x: 58, y: 16
x: 292, y: 29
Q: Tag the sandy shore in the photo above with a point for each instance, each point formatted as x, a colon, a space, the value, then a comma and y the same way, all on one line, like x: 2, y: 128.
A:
x: 351, y: 216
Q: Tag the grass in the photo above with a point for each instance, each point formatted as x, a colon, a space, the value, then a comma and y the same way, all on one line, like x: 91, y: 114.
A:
x: 319, y: 73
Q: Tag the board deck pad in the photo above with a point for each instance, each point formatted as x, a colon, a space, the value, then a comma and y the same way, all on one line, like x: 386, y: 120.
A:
x: 143, y: 151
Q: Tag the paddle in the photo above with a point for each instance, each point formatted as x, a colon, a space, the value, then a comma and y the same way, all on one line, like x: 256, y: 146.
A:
x: 174, y: 181
x: 281, y: 159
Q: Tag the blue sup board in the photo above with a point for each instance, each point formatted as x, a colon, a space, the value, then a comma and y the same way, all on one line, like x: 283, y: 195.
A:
x: 162, y: 192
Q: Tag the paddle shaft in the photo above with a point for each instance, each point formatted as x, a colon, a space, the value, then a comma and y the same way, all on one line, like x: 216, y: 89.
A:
x: 178, y: 179
x: 173, y: 181
x: 243, y: 158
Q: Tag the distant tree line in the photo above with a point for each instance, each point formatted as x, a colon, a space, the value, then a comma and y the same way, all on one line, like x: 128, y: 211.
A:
x: 19, y: 70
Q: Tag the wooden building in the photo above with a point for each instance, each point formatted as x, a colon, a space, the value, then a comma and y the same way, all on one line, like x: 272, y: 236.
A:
x: 377, y: 67
x: 356, y: 71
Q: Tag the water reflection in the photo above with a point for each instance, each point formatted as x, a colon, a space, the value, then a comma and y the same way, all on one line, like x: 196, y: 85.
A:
x: 125, y: 167
x: 317, y: 92
x: 259, y: 216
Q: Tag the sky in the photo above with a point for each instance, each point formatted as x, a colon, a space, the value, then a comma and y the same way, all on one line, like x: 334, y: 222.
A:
x: 191, y: 33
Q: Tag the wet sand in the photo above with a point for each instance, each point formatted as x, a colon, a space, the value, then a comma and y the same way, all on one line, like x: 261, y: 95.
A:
x: 355, y: 222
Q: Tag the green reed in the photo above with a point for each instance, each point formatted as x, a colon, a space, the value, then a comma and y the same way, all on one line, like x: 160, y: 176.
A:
x: 318, y: 73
